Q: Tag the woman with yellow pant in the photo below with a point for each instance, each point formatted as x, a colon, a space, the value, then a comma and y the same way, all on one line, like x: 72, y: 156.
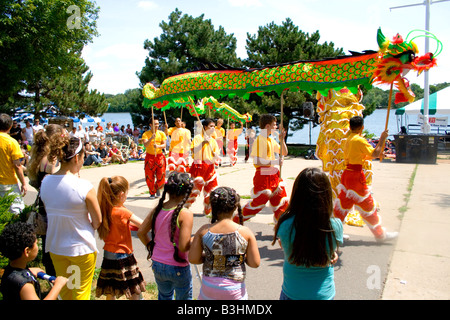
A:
x: 73, y: 216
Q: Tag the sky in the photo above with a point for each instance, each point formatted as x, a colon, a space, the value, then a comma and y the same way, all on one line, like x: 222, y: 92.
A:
x: 118, y: 52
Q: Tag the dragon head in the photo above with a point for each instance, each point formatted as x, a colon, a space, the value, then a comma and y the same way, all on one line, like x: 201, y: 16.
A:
x: 395, y: 59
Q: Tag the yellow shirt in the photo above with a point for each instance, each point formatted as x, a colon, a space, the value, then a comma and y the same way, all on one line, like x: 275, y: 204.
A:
x: 233, y: 134
x: 186, y: 140
x: 357, y: 149
x: 177, y: 139
x: 9, y: 151
x: 160, y: 139
x: 264, y: 149
x: 203, y: 153
x: 219, y: 133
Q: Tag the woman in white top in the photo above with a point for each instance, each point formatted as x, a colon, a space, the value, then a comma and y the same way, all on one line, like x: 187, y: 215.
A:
x: 73, y: 216
x: 28, y: 133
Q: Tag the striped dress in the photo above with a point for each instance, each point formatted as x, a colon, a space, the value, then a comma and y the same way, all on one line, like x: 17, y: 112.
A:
x: 224, y: 267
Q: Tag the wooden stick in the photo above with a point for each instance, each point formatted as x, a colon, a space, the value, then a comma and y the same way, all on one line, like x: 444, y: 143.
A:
x: 153, y: 129
x: 387, y: 117
x: 389, y: 107
x: 281, y: 131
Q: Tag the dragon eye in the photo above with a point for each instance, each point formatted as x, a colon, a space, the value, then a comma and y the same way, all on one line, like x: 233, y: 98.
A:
x: 412, y: 56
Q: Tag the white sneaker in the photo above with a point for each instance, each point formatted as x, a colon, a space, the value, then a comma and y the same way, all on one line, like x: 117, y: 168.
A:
x: 388, y: 235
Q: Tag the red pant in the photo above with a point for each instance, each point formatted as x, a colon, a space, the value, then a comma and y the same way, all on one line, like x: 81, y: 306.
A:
x: 267, y: 186
x: 221, y: 151
x: 353, y: 191
x: 232, y: 151
x: 205, y: 178
x: 177, y: 162
x: 155, y: 171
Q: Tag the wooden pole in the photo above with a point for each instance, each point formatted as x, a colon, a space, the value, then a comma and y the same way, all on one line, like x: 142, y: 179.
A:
x: 281, y: 130
x: 226, y: 136
x: 154, y: 130
x: 389, y: 107
x: 387, y: 116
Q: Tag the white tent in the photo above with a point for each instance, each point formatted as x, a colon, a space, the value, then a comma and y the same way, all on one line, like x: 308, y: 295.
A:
x: 439, y: 103
x: 91, y: 120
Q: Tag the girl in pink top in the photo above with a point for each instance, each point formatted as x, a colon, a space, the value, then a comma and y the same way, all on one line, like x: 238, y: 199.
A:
x: 171, y: 227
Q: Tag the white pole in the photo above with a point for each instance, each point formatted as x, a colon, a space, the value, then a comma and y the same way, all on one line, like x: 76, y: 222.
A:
x: 426, y: 128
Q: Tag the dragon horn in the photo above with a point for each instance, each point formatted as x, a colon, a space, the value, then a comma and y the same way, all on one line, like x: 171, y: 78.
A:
x: 381, y: 39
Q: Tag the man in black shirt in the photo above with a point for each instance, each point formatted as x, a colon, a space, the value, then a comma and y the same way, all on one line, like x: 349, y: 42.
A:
x: 103, y: 150
x: 16, y: 132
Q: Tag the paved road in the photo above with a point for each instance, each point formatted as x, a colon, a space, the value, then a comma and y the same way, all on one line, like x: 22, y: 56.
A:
x: 363, y: 267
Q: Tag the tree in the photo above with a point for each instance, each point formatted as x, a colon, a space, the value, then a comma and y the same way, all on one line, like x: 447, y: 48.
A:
x: 124, y: 102
x: 38, y: 41
x: 70, y: 91
x: 186, y: 43
x: 275, y: 44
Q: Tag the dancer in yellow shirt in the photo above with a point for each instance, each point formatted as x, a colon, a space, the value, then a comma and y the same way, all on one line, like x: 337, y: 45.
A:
x: 220, y: 139
x: 267, y: 183
x: 205, y: 151
x: 155, y: 160
x: 353, y: 190
x: 232, y: 140
x: 176, y: 160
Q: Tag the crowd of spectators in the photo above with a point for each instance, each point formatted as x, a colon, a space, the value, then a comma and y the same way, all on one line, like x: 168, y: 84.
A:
x: 112, y: 144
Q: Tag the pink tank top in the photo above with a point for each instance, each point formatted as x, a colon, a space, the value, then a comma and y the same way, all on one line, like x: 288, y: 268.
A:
x: 164, y: 249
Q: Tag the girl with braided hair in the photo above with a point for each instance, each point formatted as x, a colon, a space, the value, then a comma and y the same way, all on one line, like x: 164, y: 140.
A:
x: 224, y: 247
x: 119, y: 274
x: 170, y: 225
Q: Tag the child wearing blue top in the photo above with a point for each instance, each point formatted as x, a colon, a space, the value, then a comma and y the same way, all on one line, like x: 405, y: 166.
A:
x: 309, y: 236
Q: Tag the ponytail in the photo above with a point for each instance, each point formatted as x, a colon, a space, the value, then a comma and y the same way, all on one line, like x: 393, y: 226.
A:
x: 158, y: 208
x: 107, y: 195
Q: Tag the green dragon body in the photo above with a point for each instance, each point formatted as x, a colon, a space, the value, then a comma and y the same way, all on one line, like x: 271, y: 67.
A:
x: 387, y: 65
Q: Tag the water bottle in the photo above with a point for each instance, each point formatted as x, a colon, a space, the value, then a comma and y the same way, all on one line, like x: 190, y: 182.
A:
x: 44, y: 276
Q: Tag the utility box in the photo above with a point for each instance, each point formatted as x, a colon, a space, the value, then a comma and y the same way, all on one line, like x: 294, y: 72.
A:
x: 415, y: 148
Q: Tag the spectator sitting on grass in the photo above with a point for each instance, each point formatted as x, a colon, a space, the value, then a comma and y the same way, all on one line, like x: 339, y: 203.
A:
x: 134, y: 151
x: 116, y: 154
x: 103, y: 151
x: 92, y: 156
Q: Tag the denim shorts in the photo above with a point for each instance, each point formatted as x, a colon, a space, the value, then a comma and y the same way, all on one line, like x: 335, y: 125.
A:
x: 115, y: 256
x: 173, y: 279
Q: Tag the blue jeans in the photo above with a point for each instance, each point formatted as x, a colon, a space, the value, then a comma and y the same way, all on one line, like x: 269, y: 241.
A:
x: 283, y: 296
x: 172, y: 278
x: 92, y: 158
